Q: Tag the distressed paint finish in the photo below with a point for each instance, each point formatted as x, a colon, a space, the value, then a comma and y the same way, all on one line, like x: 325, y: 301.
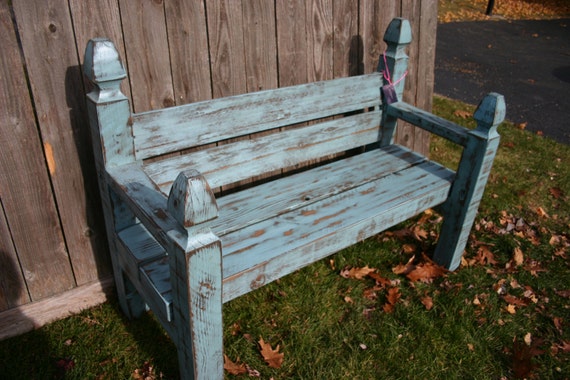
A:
x: 109, y: 113
x: 461, y: 207
x: 186, y: 250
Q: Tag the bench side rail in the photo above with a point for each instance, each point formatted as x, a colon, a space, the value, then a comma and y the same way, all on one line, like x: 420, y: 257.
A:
x: 197, y: 124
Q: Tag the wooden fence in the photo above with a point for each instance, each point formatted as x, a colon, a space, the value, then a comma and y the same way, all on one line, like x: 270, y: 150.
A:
x: 52, y: 242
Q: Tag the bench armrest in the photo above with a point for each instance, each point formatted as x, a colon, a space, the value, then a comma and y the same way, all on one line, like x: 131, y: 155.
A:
x: 190, y: 202
x: 429, y: 122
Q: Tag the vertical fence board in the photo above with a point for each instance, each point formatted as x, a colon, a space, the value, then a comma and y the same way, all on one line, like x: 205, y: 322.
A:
x: 411, y: 11
x: 147, y: 55
x: 225, y: 31
x: 26, y: 192
x: 374, y: 19
x: 260, y: 45
x: 291, y: 42
x: 188, y: 44
x: 13, y: 291
x: 347, y: 49
x: 427, y: 30
x: 319, y: 26
x: 101, y: 21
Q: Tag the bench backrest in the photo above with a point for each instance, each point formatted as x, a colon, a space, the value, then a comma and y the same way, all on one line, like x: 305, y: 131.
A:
x: 247, y: 136
x: 240, y: 137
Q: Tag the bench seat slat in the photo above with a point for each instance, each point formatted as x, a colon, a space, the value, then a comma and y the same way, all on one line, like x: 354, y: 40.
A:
x: 171, y: 129
x: 244, y: 159
x: 238, y: 210
x: 252, y: 257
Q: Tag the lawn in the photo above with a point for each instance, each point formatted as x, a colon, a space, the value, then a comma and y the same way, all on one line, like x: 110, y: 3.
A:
x: 365, y: 313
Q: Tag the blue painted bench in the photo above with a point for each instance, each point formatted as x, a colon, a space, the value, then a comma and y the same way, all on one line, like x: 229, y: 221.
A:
x: 182, y: 244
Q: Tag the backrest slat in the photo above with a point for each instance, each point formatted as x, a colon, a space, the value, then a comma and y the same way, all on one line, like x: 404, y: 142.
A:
x: 174, y: 129
x: 240, y: 160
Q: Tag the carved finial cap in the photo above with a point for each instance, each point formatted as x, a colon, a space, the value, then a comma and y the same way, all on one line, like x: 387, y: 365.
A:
x: 398, y: 32
x: 102, y: 62
x: 491, y: 111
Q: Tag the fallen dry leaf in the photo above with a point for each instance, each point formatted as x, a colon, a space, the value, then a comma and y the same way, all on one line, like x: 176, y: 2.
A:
x: 234, y: 368
x: 540, y: 211
x: 462, y: 114
x: 426, y: 272
x: 485, y: 256
x: 427, y: 301
x: 518, y: 257
x: 392, y: 298
x: 523, y: 355
x: 357, y: 273
x: 556, y: 192
x: 272, y: 357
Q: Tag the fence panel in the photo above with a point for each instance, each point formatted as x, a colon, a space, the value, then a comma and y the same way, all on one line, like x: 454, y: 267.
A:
x: 175, y: 52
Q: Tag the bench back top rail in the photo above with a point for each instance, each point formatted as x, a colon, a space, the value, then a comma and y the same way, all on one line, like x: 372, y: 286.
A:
x: 197, y: 124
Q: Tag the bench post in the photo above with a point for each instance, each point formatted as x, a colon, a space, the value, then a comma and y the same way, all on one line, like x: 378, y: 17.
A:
x: 460, y: 209
x: 108, y: 111
x: 196, y: 279
x: 394, y: 65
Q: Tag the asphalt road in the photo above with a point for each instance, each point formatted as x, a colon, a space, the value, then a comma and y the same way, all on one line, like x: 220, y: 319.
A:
x: 526, y: 61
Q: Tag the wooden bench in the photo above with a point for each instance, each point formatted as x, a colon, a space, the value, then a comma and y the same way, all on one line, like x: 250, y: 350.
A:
x: 185, y: 239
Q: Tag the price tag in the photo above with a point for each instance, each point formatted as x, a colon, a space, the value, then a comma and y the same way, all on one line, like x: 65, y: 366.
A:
x: 389, y: 94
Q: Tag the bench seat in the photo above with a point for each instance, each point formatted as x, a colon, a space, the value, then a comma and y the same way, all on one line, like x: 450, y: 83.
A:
x: 268, y: 230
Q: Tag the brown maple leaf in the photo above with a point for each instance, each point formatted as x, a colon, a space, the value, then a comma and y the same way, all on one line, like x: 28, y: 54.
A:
x: 426, y: 272
x: 485, y: 256
x: 234, y: 368
x: 392, y: 298
x: 523, y: 355
x: 272, y: 357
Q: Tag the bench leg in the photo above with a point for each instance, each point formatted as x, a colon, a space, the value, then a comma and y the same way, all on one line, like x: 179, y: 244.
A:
x: 196, y: 276
x: 460, y: 209
x: 130, y: 301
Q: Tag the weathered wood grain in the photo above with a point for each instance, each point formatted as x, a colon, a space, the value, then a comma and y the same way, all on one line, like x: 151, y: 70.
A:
x: 101, y: 21
x: 260, y: 45
x: 374, y: 18
x: 320, y: 39
x: 291, y: 42
x: 189, y: 54
x: 410, y: 10
x: 25, y: 318
x: 225, y: 33
x: 146, y: 43
x: 13, y: 290
x: 27, y: 199
x: 347, y: 44
x: 426, y: 37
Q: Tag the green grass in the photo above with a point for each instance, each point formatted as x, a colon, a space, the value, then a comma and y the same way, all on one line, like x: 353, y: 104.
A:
x: 328, y: 327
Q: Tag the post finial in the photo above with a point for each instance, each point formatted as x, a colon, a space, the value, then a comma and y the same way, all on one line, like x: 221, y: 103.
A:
x: 191, y: 200
x: 490, y: 112
x: 102, y: 63
x: 399, y: 32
